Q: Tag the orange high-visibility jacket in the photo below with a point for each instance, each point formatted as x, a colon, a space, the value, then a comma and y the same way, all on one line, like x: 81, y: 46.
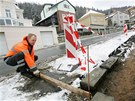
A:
x: 23, y: 47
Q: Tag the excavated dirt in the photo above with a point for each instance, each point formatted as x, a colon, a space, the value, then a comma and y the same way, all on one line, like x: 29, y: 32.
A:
x: 120, y: 82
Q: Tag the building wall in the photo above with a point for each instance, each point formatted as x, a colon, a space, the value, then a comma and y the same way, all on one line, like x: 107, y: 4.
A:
x: 98, y: 19
x: 120, y: 18
x: 85, y: 21
x: 66, y: 7
x: 132, y: 19
x: 60, y: 15
x: 16, y: 13
x: 19, y: 14
x: 42, y: 15
x: 115, y: 19
x: 10, y: 5
x: 131, y: 11
x: 15, y: 34
x: 63, y: 6
x: 26, y: 22
x: 46, y: 12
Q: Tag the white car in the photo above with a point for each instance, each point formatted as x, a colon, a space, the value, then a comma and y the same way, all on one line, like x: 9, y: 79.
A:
x: 133, y: 27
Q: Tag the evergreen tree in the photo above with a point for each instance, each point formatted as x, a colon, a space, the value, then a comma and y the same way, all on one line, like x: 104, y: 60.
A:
x: 33, y: 10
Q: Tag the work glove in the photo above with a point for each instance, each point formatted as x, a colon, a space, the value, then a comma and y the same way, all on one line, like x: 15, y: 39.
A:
x: 36, y: 73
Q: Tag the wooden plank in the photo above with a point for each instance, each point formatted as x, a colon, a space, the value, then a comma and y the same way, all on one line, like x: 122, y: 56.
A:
x: 55, y: 82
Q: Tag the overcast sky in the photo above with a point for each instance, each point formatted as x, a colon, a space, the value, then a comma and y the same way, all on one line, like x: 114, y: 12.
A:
x: 100, y: 4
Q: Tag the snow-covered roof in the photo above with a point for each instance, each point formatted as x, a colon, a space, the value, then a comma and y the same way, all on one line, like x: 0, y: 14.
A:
x: 91, y: 12
x: 111, y: 15
x: 132, y: 15
x: 17, y: 7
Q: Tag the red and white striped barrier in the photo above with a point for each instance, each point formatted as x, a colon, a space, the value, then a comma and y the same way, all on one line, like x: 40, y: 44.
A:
x: 71, y: 45
x: 83, y: 26
x: 72, y: 41
x: 125, y: 29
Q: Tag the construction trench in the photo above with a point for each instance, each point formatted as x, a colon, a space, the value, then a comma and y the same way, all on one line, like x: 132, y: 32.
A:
x: 114, y: 80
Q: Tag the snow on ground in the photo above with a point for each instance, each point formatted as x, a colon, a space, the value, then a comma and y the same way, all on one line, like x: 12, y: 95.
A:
x: 98, y: 52
x: 60, y: 96
x: 8, y: 89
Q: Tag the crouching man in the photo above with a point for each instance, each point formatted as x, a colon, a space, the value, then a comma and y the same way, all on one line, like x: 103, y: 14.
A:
x: 22, y: 56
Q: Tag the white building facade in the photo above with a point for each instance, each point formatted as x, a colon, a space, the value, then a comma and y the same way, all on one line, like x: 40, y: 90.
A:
x: 50, y: 9
x: 52, y: 14
x: 9, y: 35
x: 12, y: 15
x: 13, y: 27
x: 118, y: 18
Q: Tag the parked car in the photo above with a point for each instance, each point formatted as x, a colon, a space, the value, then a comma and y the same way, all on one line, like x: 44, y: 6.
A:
x: 83, y: 31
x: 133, y: 27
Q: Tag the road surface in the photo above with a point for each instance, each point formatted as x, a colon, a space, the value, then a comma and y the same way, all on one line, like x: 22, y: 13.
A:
x: 44, y: 53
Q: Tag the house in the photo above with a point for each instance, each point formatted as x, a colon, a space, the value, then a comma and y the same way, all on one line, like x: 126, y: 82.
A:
x: 46, y: 36
x: 12, y: 15
x: 117, y: 19
x: 131, y: 12
x: 94, y: 20
x: 13, y: 27
x: 52, y: 14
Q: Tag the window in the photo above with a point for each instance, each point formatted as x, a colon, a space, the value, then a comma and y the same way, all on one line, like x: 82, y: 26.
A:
x: 66, y: 6
x: 2, y: 22
x: 8, y: 13
x: 8, y: 21
x: 20, y: 24
x: 121, y: 21
x: 14, y: 22
x: 121, y: 17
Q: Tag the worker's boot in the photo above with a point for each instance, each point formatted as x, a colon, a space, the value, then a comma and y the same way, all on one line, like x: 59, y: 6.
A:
x: 25, y: 72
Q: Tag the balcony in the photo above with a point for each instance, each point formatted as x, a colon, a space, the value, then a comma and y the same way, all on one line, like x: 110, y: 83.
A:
x: 10, y: 22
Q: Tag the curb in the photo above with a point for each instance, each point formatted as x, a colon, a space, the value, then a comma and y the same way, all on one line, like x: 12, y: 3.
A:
x: 102, y: 97
x: 98, y: 74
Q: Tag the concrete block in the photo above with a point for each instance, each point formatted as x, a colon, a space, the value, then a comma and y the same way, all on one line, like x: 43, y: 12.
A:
x: 95, y: 77
x: 109, y: 63
x: 102, y: 97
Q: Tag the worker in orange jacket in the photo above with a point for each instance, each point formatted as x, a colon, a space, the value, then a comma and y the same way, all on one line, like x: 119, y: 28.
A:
x: 22, y: 55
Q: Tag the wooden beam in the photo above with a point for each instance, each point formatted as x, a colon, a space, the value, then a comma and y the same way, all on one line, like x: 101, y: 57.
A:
x: 55, y: 82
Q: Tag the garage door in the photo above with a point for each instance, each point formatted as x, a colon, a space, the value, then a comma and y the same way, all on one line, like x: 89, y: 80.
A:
x: 3, y: 45
x: 47, y: 38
